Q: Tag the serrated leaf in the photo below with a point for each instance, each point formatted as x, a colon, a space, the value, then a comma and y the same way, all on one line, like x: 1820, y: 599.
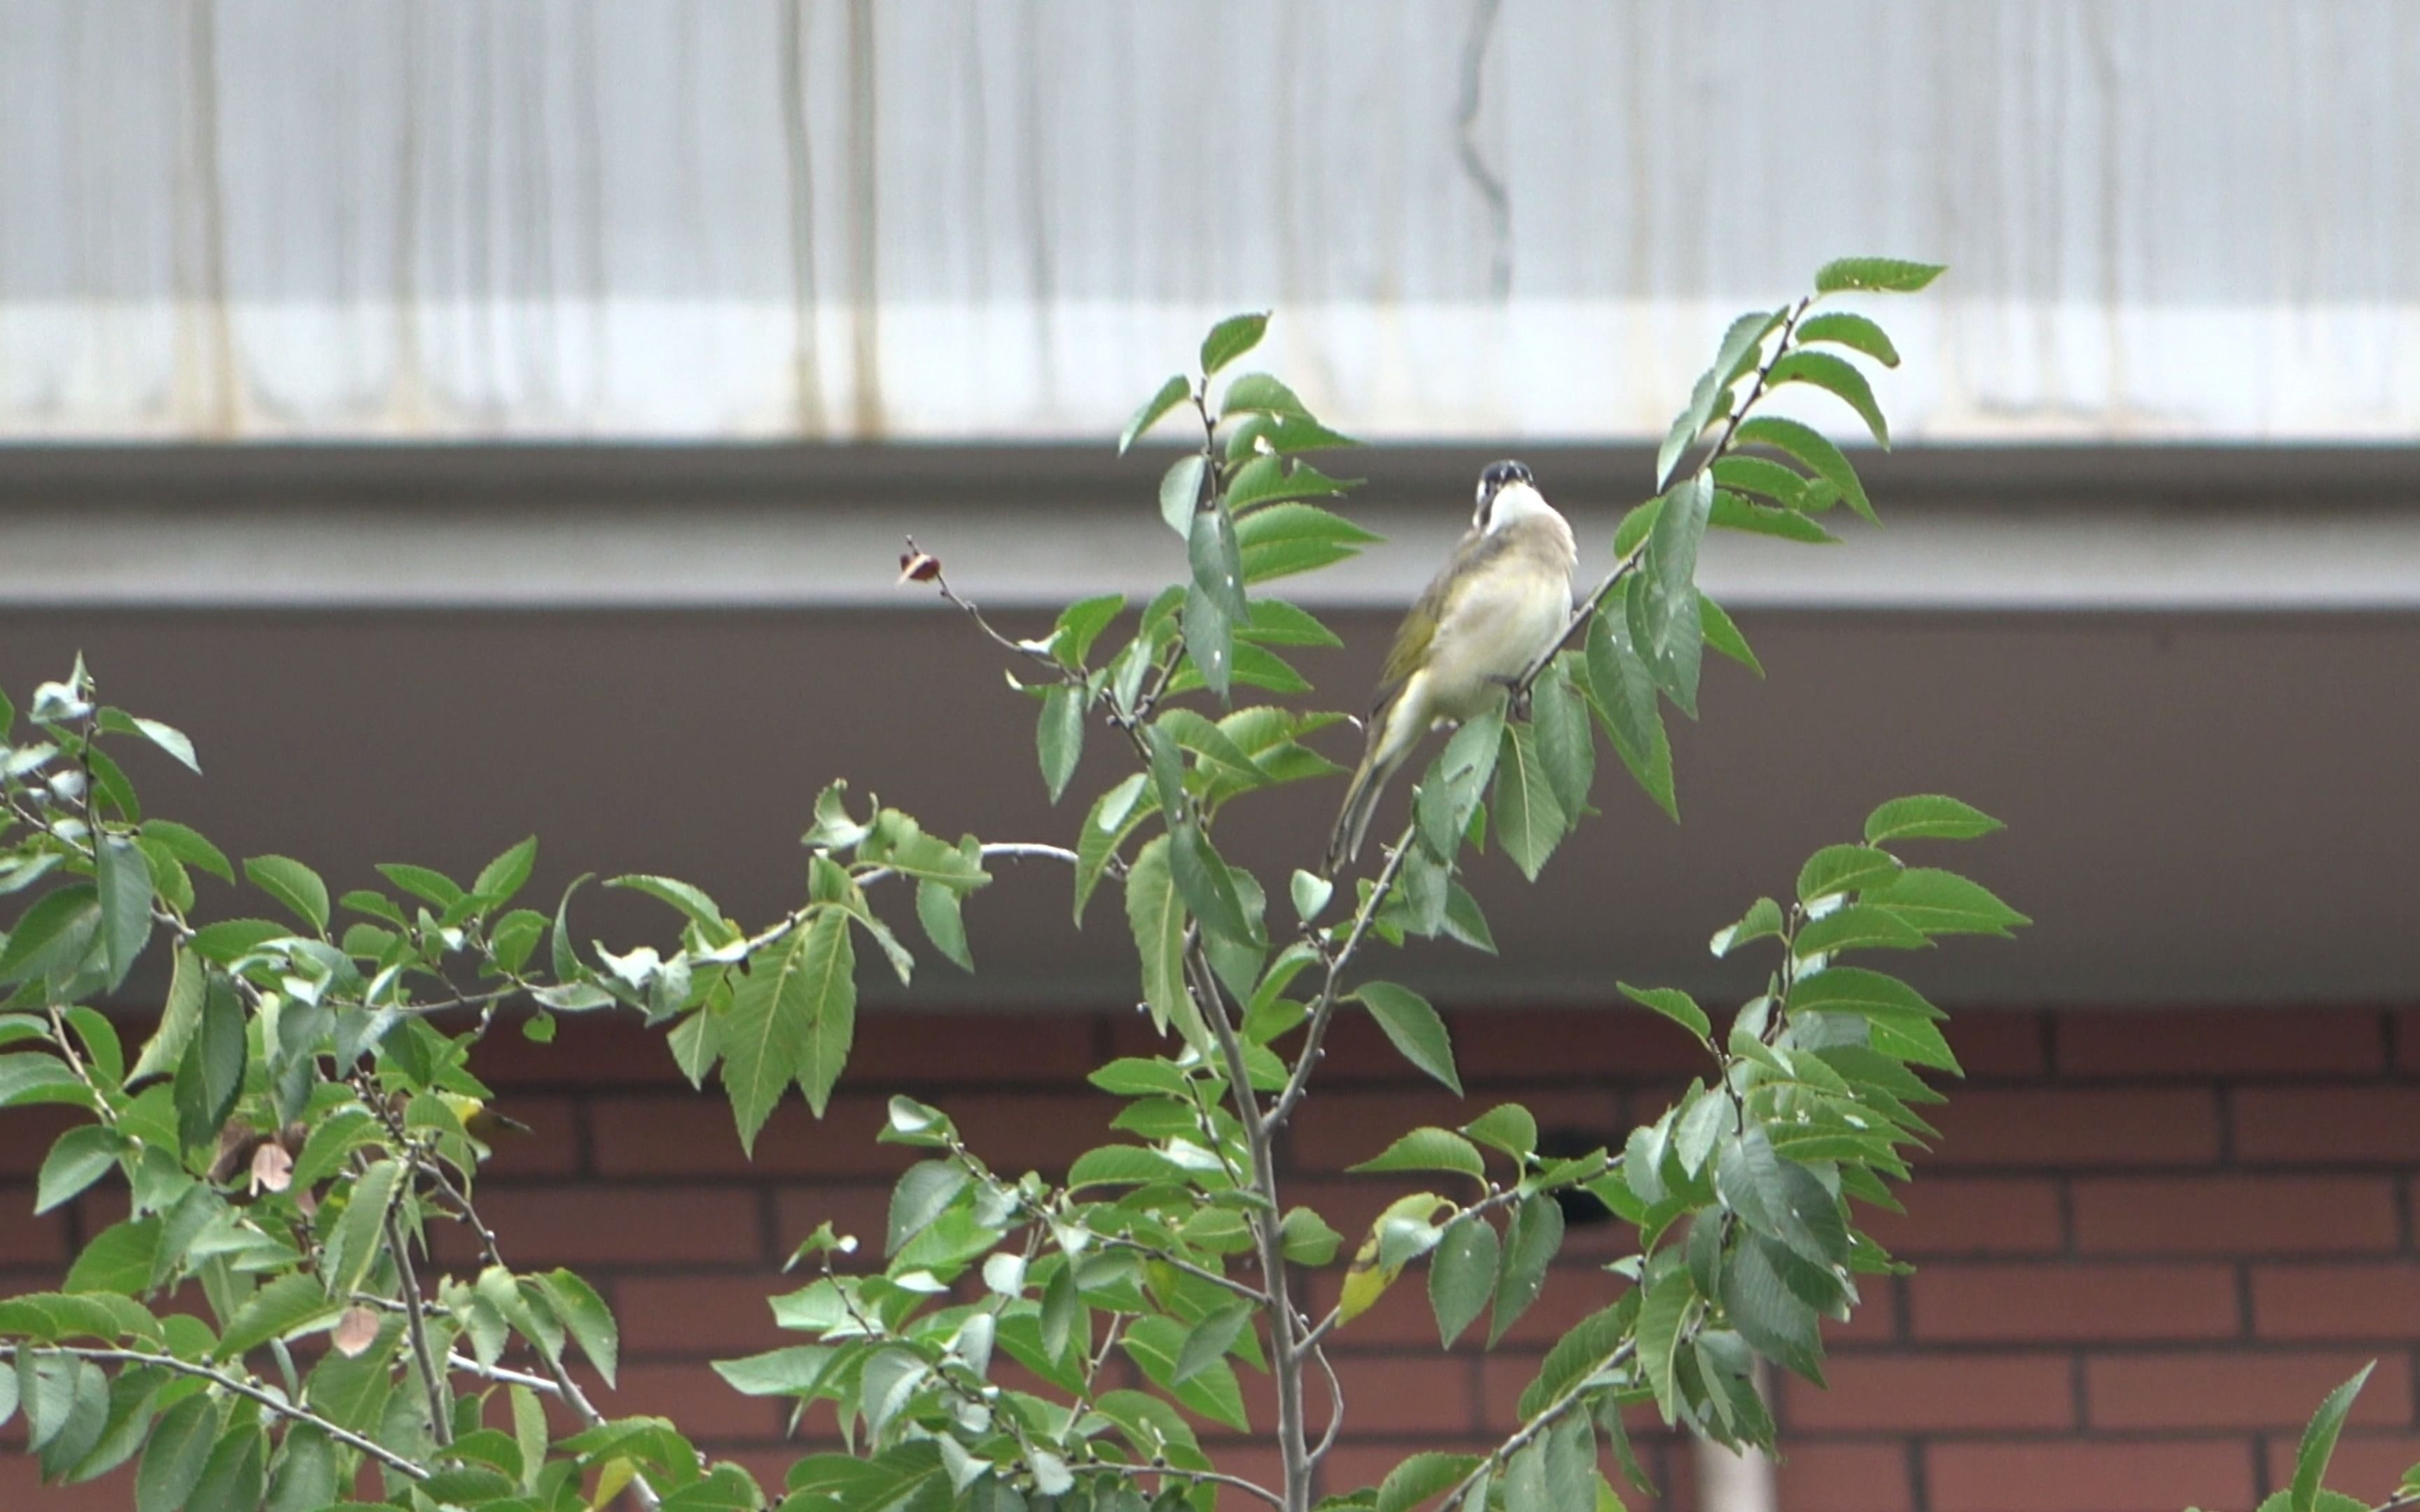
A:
x: 923, y: 1191
x: 1528, y: 819
x: 1857, y: 926
x: 292, y: 884
x: 1232, y: 338
x: 1928, y: 816
x: 1854, y: 331
x: 1813, y: 450
x: 1154, y: 411
x: 1208, y: 888
x: 1210, y: 1340
x: 1867, y: 994
x: 1775, y: 1321
x: 1420, y: 1477
x: 123, y: 879
x: 1155, y: 915
x: 1427, y: 1149
x: 500, y: 878
x: 1461, y: 1275
x: 1307, y: 1238
x: 81, y: 1156
x: 1731, y: 512
x: 1530, y: 1242
x: 1887, y: 275
x: 939, y: 909
x: 1508, y: 1127
x: 1721, y: 634
x: 1835, y: 376
x: 1944, y: 903
x: 1625, y: 703
x: 1413, y: 1028
x: 209, y: 1073
x: 2318, y: 1443
x: 1673, y: 1004
x: 1761, y: 922
x: 1661, y: 1316
x: 586, y: 1317
x: 1840, y: 868
x: 1059, y: 737
x: 1566, y: 745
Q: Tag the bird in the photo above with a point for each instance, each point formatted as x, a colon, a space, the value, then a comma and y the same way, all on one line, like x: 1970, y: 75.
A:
x: 1501, y: 602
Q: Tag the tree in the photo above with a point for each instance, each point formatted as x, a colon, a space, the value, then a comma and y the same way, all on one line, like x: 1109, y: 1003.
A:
x: 306, y: 1110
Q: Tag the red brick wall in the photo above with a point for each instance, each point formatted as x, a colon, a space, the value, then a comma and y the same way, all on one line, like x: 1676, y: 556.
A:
x: 2147, y: 1245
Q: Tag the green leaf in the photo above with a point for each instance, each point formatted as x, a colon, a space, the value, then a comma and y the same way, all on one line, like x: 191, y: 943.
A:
x: 1570, y: 1453
x: 1927, y: 816
x: 1155, y: 915
x: 1854, y: 331
x: 1216, y: 556
x: 923, y: 1191
x: 1781, y: 1198
x: 1721, y: 634
x: 1776, y: 1322
x: 1210, y: 1340
x: 1461, y: 1275
x: 1280, y: 539
x: 232, y: 1479
x: 1209, y: 891
x: 292, y: 884
x: 1530, y: 1241
x: 1259, y: 391
x: 209, y: 1073
x: 1711, y: 388
x: 939, y: 910
x: 1420, y: 1477
x: 1944, y: 903
x: 1660, y: 1319
x: 65, y: 1440
x: 1857, y: 926
x: 1731, y: 512
x: 123, y: 881
x: 188, y: 845
x: 1813, y: 450
x: 1625, y: 703
x: 1837, y: 377
x: 1154, y: 411
x: 83, y: 1155
x: 120, y: 1259
x: 1427, y: 1149
x: 1155, y: 1343
x: 354, y: 1247
x: 1081, y: 624
x: 1413, y: 1028
x: 693, y: 903
x: 1887, y: 275
x: 586, y: 1318
x: 2319, y: 1440
x: 1840, y: 868
x: 1310, y: 894
x: 500, y: 878
x: 172, y: 1463
x: 1566, y: 745
x: 1059, y: 737
x: 1867, y: 993
x: 828, y: 977
x: 1307, y: 1238
x: 1180, y: 492
x: 1508, y: 1127
x: 53, y: 936
x: 1450, y: 793
x: 1209, y: 643
x: 1673, y: 1004
x: 1232, y: 338
x: 1528, y: 819
x: 293, y: 1301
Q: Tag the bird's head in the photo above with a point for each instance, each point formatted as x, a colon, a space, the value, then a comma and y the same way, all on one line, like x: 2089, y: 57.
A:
x: 1507, y: 492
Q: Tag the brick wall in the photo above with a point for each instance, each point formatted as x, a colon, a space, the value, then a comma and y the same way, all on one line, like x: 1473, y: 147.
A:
x: 2146, y: 1244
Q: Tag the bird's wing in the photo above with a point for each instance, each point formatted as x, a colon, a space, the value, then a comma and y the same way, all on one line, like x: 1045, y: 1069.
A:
x: 1428, y: 612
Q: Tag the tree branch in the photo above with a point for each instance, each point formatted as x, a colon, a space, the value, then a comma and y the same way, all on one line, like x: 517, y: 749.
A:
x: 241, y: 1386
x: 1324, y: 1009
x: 1529, y: 1431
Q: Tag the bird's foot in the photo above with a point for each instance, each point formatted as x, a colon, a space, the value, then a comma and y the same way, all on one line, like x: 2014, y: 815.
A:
x: 1516, y: 708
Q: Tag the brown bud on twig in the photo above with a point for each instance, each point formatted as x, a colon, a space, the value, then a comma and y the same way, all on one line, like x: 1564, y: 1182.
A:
x: 272, y: 1168
x: 917, y: 567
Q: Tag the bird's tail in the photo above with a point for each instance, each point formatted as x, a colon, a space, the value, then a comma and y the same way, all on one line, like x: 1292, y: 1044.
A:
x: 1378, y: 765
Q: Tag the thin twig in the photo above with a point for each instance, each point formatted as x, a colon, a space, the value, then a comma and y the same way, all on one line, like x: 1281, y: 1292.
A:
x: 241, y: 1386
x: 503, y: 1375
x: 1212, y: 1477
x: 1547, y: 1418
x: 1249, y: 1293
x: 1324, y: 1009
x: 441, y: 1422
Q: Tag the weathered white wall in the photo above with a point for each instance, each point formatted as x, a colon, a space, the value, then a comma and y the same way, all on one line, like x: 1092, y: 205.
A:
x: 868, y: 219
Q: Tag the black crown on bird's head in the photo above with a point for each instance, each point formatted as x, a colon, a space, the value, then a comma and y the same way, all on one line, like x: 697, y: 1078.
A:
x: 1492, y: 479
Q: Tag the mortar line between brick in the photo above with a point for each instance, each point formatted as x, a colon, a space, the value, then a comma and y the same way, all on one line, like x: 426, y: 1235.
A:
x: 1919, y: 1489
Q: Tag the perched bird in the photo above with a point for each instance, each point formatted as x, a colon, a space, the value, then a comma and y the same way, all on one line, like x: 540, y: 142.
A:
x: 1501, y: 602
